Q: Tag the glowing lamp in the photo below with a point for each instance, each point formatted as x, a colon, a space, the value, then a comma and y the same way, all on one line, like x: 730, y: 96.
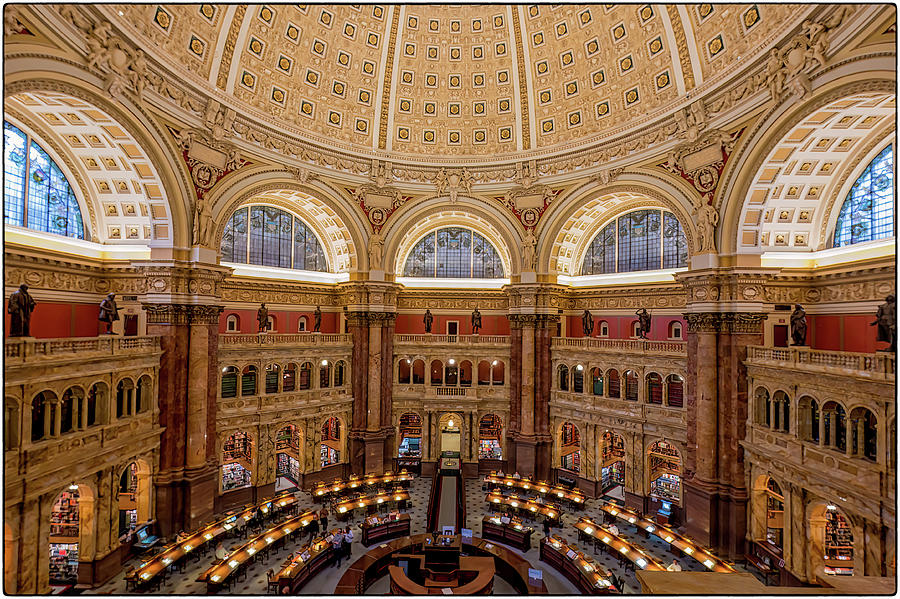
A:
x: 496, y: 500
x: 689, y: 550
x: 451, y: 361
x: 632, y: 519
x: 650, y: 528
x: 623, y: 549
x: 606, y: 540
x: 145, y: 575
x: 533, y: 508
x: 450, y: 423
x: 641, y: 562
x: 398, y: 497
x: 362, y: 504
x: 187, y: 548
x: 588, y: 529
x: 588, y: 568
x: 381, y: 500
x: 708, y: 563
x: 613, y: 512
x: 269, y: 540
x: 324, y: 362
x: 669, y: 539
x: 559, y: 493
x: 251, y: 551
x: 287, y: 530
x: 166, y: 561
x: 514, y: 503
x: 208, y: 536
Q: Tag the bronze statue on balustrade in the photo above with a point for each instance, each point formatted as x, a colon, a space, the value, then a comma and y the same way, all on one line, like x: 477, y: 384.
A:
x: 20, y: 307
x: 262, y: 318
x: 429, y: 320
x: 643, y: 323
x: 587, y: 323
x: 109, y: 312
x: 317, y: 320
x: 798, y: 325
x: 476, y: 322
x: 886, y: 319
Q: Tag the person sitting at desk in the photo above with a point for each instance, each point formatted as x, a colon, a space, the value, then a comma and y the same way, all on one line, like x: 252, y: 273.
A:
x: 613, y: 529
x: 180, y: 536
x: 221, y: 553
x: 674, y: 566
x: 517, y: 476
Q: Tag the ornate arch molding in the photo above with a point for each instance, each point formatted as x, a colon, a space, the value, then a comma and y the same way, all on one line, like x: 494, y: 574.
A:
x: 340, y: 250
x: 72, y: 169
x: 45, y: 74
x: 769, y: 130
x: 414, y: 223
x: 564, y: 243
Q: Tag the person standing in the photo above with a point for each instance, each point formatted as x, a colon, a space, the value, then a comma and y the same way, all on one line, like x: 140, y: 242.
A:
x: 547, y: 528
x: 20, y: 307
x: 323, y: 518
x: 347, y: 544
x: 336, y: 542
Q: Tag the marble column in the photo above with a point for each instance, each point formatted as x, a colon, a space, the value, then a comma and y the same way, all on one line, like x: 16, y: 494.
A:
x: 373, y: 416
x: 527, y: 378
x: 358, y: 325
x: 198, y: 368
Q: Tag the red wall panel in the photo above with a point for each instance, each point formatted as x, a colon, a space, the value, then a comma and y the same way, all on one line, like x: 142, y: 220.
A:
x: 285, y: 321
x: 57, y: 319
x: 413, y: 324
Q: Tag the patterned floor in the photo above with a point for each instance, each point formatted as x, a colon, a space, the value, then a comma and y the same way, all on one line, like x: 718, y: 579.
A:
x: 420, y: 489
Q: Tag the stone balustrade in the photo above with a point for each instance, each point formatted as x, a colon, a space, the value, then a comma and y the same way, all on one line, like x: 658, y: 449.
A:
x: 231, y: 340
x: 639, y: 346
x: 429, y: 339
x: 879, y: 366
x: 22, y: 350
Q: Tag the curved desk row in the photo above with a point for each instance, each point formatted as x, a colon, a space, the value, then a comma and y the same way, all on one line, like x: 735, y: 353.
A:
x: 545, y: 489
x: 384, y: 529
x: 618, y: 546
x: 510, y: 566
x: 580, y: 569
x: 477, y: 574
x: 321, y: 490
x: 170, y: 554
x: 512, y: 533
x: 528, y: 506
x: 306, y: 563
x: 678, y: 542
x: 398, y: 496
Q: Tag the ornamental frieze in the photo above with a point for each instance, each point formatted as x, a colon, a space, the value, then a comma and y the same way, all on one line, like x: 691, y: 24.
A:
x: 725, y: 322
x: 449, y: 301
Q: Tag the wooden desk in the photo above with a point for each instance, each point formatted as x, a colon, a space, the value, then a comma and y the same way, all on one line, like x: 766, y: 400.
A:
x: 524, y: 504
x: 680, y: 544
x: 580, y: 569
x: 515, y: 534
x: 170, y: 554
x: 510, y: 566
x: 297, y: 571
x: 366, y: 501
x: 385, y: 530
x: 322, y: 490
x: 545, y: 489
x: 618, y: 546
x: 475, y: 577
x: 217, y: 574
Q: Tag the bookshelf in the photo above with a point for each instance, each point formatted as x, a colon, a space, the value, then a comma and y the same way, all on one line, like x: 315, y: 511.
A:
x: 838, y: 544
x: 288, y: 440
x: 237, y: 447
x: 667, y: 487
x: 489, y: 449
x: 234, y: 476
x: 63, y: 563
x: 329, y: 456
x: 774, y: 514
x: 64, y: 518
x: 288, y: 467
x: 489, y: 432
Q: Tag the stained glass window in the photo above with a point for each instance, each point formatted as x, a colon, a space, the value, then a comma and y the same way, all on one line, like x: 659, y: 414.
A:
x: 36, y: 192
x: 639, y: 240
x: 270, y: 236
x: 868, y: 211
x: 454, y: 252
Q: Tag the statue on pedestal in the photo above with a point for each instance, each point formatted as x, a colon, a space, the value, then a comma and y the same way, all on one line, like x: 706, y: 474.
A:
x: 262, y: 318
x: 798, y: 325
x: 643, y: 323
x: 886, y: 319
x: 317, y: 320
x: 109, y: 312
x: 20, y: 307
x: 587, y: 323
x: 476, y: 322
x: 429, y: 320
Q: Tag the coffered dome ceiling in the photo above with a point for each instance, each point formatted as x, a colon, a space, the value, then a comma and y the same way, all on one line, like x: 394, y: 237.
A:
x: 479, y: 81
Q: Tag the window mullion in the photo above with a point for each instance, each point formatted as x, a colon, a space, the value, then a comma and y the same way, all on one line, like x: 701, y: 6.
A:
x: 25, y: 182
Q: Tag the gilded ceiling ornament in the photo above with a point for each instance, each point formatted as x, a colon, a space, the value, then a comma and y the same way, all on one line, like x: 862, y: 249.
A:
x: 453, y: 182
x: 109, y: 53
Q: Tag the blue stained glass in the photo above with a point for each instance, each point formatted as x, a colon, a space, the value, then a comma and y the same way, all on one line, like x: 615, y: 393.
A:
x: 36, y: 192
x: 674, y: 242
x: 454, y: 252
x: 276, y: 238
x: 868, y: 211
x: 639, y: 240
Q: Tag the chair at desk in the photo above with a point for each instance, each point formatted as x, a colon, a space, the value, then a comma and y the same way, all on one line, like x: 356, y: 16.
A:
x: 271, y: 582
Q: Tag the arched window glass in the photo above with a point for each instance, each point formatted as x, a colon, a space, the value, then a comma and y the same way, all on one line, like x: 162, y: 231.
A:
x: 639, y: 240
x: 270, y: 236
x: 456, y: 253
x: 36, y: 192
x: 868, y: 211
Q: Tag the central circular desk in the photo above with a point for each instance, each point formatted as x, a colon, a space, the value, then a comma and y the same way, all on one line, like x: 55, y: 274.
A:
x: 375, y: 564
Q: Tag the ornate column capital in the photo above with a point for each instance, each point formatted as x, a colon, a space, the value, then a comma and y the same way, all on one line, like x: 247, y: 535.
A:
x: 182, y: 313
x: 725, y: 322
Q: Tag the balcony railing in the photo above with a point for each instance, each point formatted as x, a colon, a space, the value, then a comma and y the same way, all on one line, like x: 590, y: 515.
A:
x: 875, y: 366
x: 460, y: 339
x: 29, y: 350
x: 308, y: 339
x: 621, y: 345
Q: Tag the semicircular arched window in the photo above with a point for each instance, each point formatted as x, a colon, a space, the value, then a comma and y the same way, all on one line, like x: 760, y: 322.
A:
x: 37, y: 194
x: 270, y: 236
x: 868, y: 212
x: 639, y: 240
x: 454, y: 252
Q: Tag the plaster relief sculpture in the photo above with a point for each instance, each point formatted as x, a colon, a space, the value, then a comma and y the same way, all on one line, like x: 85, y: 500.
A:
x: 707, y: 219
